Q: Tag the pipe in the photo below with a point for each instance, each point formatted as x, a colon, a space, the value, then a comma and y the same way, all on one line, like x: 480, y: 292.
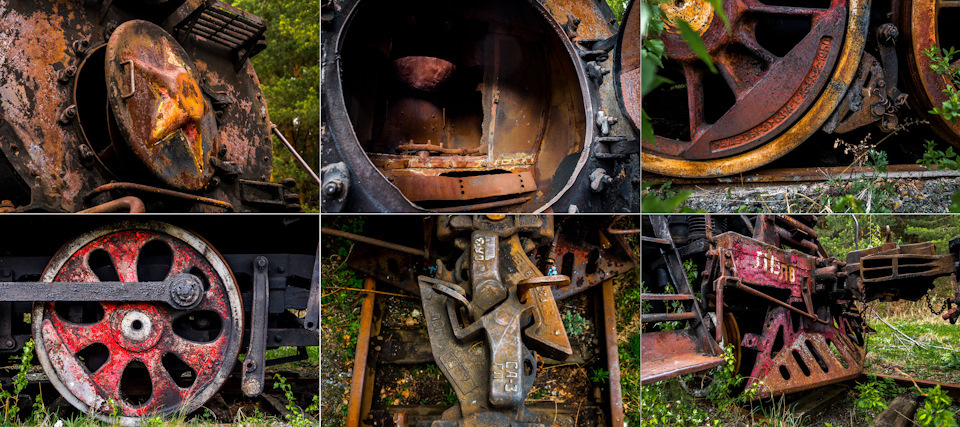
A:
x: 129, y: 186
x: 613, y: 358
x: 363, y: 349
x: 296, y: 155
x: 375, y: 242
x: 755, y: 292
x: 129, y: 204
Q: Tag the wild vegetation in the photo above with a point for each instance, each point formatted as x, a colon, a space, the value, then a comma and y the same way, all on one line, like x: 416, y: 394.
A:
x: 289, y: 72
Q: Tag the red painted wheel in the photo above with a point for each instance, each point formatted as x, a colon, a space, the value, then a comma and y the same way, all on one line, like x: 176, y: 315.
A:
x: 139, y: 359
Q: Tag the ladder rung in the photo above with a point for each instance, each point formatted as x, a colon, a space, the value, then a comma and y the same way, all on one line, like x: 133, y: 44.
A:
x: 656, y: 241
x: 666, y: 297
x: 665, y: 317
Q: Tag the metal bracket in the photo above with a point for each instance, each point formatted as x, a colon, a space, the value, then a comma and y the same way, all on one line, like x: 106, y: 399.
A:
x: 254, y: 362
x: 311, y: 320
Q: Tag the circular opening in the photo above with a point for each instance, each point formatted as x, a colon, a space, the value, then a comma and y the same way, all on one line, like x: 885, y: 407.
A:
x: 137, y: 324
x: 465, y: 103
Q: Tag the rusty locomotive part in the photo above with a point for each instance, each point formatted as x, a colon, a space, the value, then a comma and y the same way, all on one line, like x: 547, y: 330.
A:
x: 143, y: 318
x: 787, y: 71
x: 105, y: 100
x: 489, y: 286
x: 512, y: 106
x: 768, y: 292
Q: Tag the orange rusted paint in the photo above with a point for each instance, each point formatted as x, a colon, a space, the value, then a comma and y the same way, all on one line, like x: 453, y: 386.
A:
x: 919, y: 23
x: 155, y: 96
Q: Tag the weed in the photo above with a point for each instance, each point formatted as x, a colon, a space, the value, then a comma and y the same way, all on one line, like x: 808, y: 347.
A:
x: 9, y: 399
x: 935, y: 411
x: 599, y: 375
x: 297, y: 418
x: 664, y: 199
x: 869, y: 400
x: 573, y: 322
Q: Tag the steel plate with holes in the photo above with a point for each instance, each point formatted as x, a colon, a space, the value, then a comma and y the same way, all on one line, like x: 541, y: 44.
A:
x: 155, y: 97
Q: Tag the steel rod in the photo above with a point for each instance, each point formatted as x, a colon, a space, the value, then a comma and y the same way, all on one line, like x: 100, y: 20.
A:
x: 296, y: 155
x: 375, y: 242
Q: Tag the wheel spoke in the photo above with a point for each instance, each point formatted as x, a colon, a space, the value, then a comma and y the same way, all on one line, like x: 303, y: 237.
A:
x: 197, y: 355
x: 166, y: 393
x: 124, y: 253
x: 77, y: 337
x: 694, y: 78
x: 108, y: 376
x: 750, y: 42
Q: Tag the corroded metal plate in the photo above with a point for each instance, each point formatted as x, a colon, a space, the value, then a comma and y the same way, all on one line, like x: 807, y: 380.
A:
x: 155, y: 96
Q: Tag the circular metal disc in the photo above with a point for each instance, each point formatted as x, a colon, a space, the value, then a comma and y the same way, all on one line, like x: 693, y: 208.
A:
x: 139, y: 334
x: 155, y: 96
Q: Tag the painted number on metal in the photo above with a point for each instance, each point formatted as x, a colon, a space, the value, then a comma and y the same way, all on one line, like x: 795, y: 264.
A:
x: 769, y: 263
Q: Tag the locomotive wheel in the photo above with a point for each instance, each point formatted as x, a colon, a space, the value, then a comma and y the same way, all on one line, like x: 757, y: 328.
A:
x: 139, y: 359
x: 768, y: 118
x: 919, y: 23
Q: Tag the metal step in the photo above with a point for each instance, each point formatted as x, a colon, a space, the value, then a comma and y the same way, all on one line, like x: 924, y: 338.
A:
x: 667, y: 354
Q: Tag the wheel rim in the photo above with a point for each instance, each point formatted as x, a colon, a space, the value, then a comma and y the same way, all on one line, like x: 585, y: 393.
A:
x: 124, y: 361
x: 758, y: 153
x: 919, y: 20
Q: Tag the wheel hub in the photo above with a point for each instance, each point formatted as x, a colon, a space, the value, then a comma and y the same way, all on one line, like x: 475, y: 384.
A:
x: 134, y: 328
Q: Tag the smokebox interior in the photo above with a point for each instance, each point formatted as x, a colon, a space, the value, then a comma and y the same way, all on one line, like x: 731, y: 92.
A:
x: 464, y: 105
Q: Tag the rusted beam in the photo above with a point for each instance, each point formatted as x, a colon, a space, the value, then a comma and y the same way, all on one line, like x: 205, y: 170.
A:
x: 613, y: 358
x: 360, y: 360
x: 665, y: 317
x: 375, y: 242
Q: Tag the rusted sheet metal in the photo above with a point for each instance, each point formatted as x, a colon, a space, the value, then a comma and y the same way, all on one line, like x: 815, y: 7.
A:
x: 809, y: 356
x: 919, y: 23
x: 141, y: 332
x: 363, y: 348
x: 154, y: 92
x: 586, y: 264
x: 423, y: 187
x: 424, y: 73
x: 764, y: 265
x: 852, y: 41
x: 667, y: 354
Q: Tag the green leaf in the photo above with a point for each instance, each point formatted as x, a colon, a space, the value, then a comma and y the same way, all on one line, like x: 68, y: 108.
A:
x: 718, y: 8
x: 646, y: 129
x: 695, y: 43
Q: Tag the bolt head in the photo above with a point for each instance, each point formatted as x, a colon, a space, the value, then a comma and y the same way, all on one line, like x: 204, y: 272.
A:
x: 332, y: 189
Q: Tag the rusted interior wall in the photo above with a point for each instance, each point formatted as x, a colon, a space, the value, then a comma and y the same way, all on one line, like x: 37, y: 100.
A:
x: 514, y: 84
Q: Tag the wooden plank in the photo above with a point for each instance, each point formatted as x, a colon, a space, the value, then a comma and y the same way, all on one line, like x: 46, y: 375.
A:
x: 899, y: 413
